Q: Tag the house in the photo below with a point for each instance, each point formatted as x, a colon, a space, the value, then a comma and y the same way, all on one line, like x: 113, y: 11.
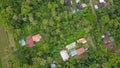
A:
x: 108, y: 41
x: 101, y: 4
x: 70, y: 46
x: 82, y: 40
x: 53, y: 65
x: 73, y: 53
x: 80, y: 51
x: 22, y: 42
x: 68, y: 3
x: 81, y: 6
x: 64, y: 55
x: 36, y: 37
x: 77, y: 1
x: 30, y: 41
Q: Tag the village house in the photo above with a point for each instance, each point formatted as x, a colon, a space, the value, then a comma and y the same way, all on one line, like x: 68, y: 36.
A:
x: 30, y: 40
x: 77, y: 1
x: 82, y: 40
x: 64, y: 55
x: 101, y: 4
x: 80, y: 51
x: 54, y: 64
x: 108, y: 41
x: 81, y: 6
x: 71, y: 46
x: 68, y: 3
x: 36, y: 37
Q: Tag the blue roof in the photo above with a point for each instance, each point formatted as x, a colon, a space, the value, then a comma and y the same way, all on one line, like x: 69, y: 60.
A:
x: 22, y: 41
x: 73, y: 52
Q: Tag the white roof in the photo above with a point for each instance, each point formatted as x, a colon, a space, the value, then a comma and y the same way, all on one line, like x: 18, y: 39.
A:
x: 96, y: 7
x: 77, y: 1
x: 83, y: 5
x: 102, y: 1
x: 70, y: 46
x: 64, y: 55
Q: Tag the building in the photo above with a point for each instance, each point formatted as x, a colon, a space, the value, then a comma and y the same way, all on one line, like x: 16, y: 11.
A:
x: 82, y: 40
x: 36, y: 37
x: 81, y: 6
x: 30, y: 41
x: 70, y: 46
x: 68, y: 3
x: 108, y: 41
x: 64, y: 55
x: 22, y: 42
x: 53, y: 65
x: 101, y: 4
x: 80, y: 51
x: 77, y: 1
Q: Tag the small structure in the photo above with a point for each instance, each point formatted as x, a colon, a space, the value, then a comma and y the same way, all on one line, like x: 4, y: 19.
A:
x: 70, y: 46
x: 108, y: 41
x: 80, y: 51
x: 64, y: 55
x: 22, y: 42
x: 82, y: 40
x: 54, y: 64
x: 73, y: 53
x: 30, y: 42
x: 81, y: 6
x: 36, y: 37
x: 101, y: 4
x: 68, y: 3
x: 77, y: 1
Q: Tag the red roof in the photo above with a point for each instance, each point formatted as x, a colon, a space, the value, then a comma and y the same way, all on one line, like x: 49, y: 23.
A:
x: 80, y: 51
x: 30, y: 41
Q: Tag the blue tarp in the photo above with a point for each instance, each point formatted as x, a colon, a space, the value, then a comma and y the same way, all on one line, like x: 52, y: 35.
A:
x: 73, y: 52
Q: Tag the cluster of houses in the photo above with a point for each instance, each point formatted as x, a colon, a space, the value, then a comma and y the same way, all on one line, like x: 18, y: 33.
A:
x: 108, y: 41
x: 30, y: 40
x: 69, y: 3
x: 101, y: 4
x: 71, y: 50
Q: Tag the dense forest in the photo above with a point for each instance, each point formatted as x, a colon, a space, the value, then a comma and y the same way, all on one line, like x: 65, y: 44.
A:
x: 59, y: 27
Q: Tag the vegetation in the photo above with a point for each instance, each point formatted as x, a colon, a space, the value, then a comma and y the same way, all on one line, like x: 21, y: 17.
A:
x: 59, y: 27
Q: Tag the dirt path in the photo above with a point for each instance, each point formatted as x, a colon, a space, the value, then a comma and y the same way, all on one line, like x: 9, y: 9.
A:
x: 93, y: 9
x: 6, y: 41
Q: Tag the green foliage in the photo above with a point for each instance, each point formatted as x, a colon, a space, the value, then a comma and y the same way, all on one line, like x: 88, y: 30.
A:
x: 59, y: 27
